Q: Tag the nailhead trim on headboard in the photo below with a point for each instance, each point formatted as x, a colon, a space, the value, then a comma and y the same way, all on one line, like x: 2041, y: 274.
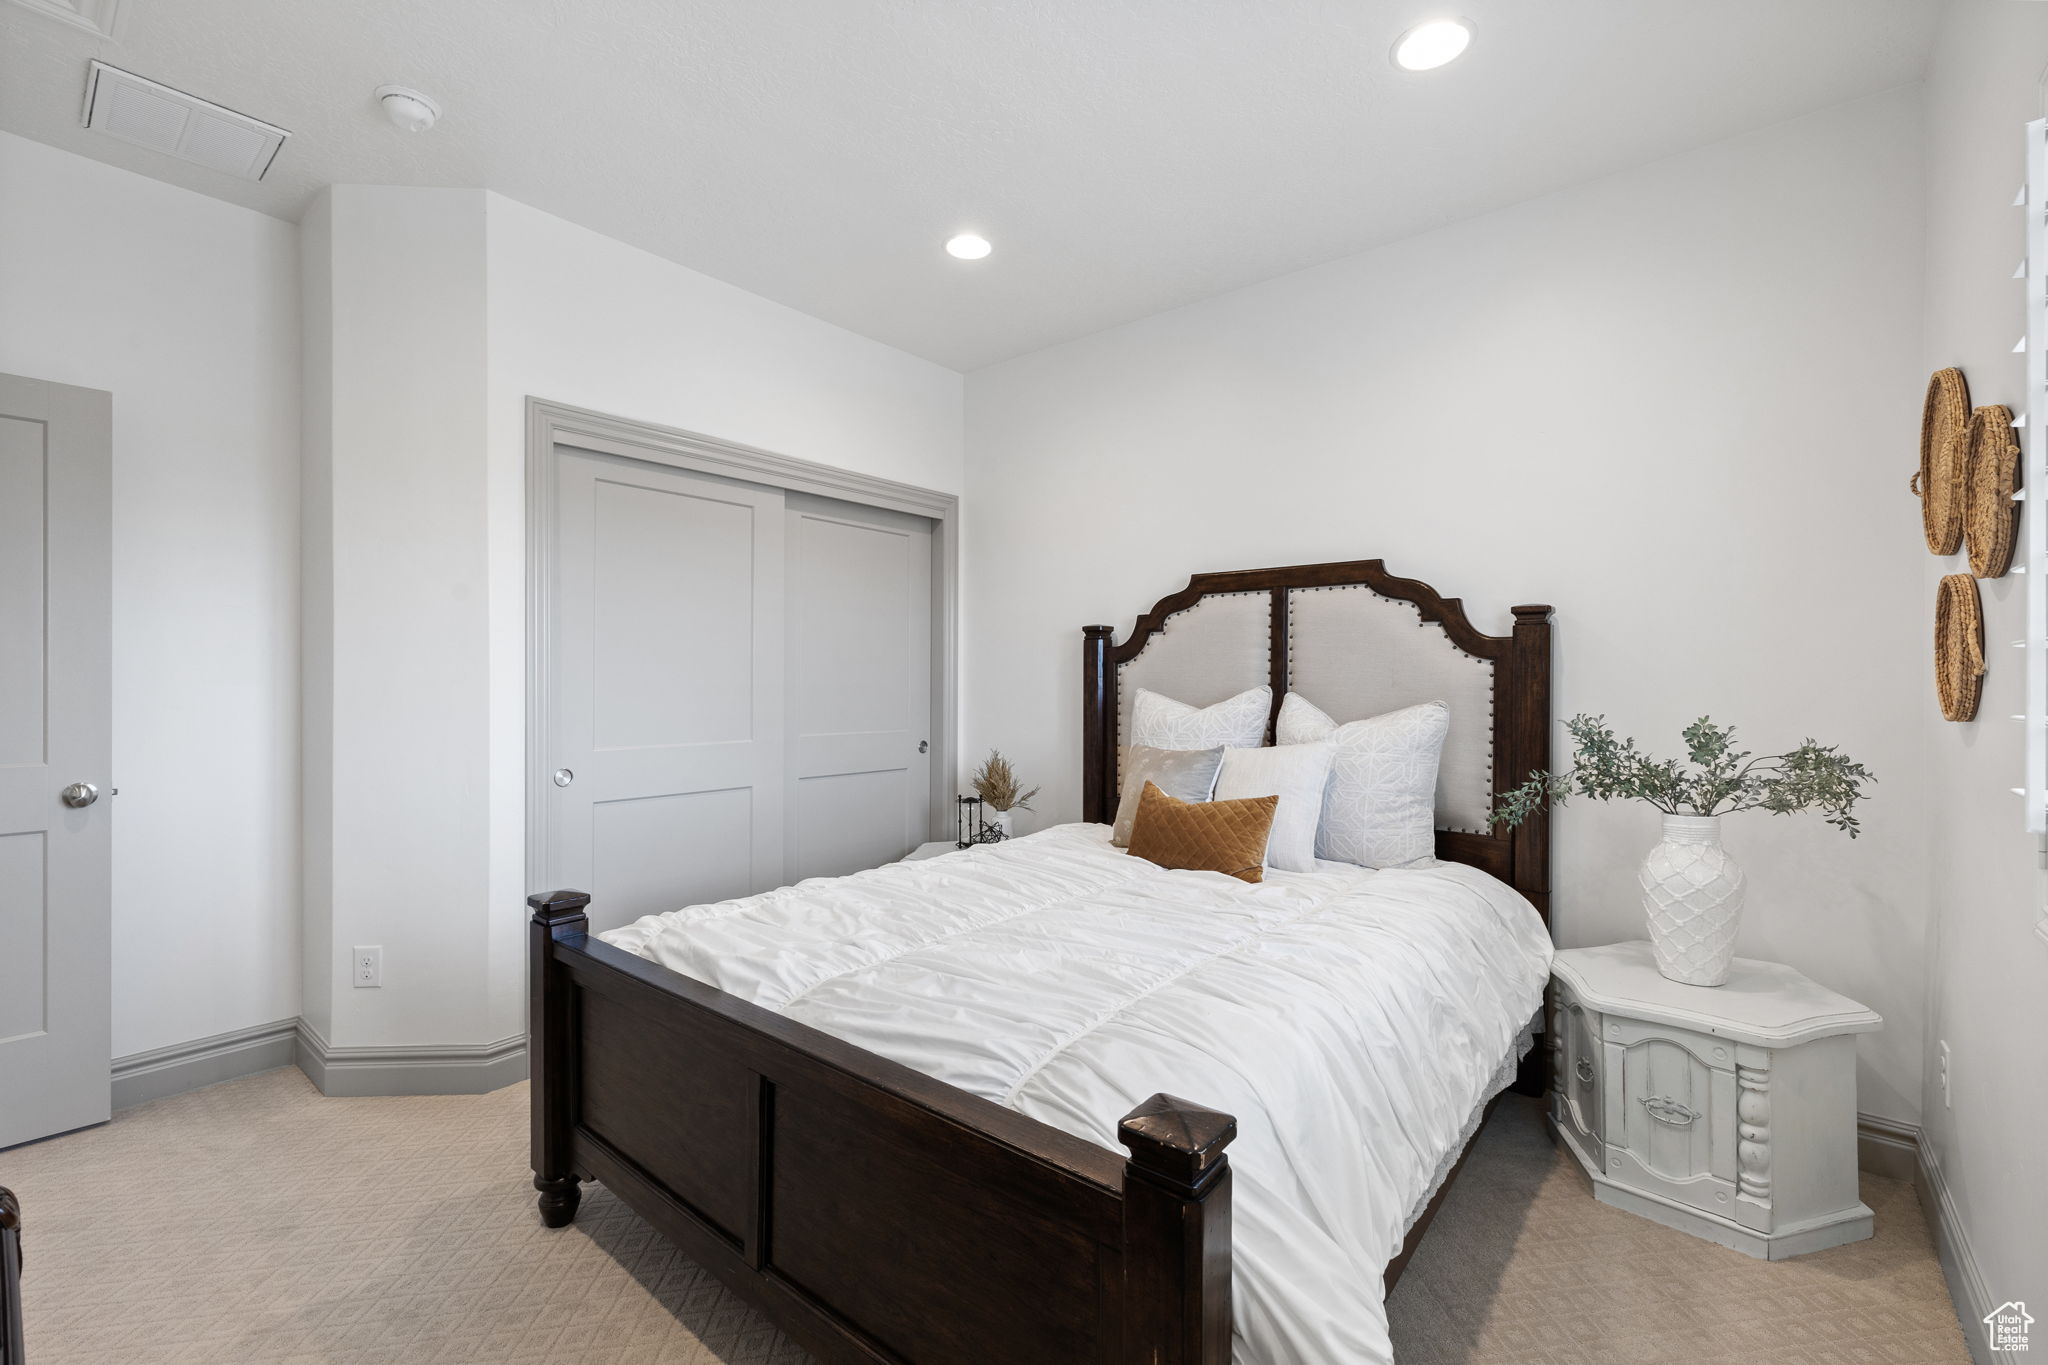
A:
x: 1116, y: 759
x: 1516, y: 731
x: 1487, y: 666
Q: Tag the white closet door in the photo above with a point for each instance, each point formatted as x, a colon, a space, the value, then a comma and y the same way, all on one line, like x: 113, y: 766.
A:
x: 667, y: 687
x: 860, y: 679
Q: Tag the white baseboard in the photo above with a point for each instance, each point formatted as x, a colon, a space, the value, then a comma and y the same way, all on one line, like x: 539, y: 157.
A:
x: 467, y: 1069
x: 462, y: 1069
x: 1888, y: 1147
x: 1958, y: 1262
x: 173, y: 1070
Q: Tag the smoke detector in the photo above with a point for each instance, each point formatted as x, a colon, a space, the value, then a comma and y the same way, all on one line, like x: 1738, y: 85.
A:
x: 408, y: 108
x: 134, y: 109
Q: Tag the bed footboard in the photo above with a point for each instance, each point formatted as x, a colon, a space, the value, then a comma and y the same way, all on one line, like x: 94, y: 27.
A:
x: 875, y: 1214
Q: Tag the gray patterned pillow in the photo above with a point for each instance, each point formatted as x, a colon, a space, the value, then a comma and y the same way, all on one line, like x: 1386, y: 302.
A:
x: 1237, y: 722
x: 1183, y: 774
x: 1379, y: 809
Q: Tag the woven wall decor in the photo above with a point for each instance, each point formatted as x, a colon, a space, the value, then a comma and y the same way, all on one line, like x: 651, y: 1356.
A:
x: 1991, y: 475
x: 1944, y: 424
x: 1958, y: 646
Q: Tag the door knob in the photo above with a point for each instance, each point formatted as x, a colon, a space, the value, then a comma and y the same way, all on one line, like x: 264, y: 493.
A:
x: 80, y: 794
x: 924, y: 746
x: 563, y: 777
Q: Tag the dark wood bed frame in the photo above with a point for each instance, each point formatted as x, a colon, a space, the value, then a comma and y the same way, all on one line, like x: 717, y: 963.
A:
x: 878, y: 1215
x: 12, y: 1351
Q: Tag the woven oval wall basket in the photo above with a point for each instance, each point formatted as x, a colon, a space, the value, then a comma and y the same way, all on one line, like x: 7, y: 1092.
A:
x: 1944, y: 425
x: 1991, y: 475
x: 1958, y: 646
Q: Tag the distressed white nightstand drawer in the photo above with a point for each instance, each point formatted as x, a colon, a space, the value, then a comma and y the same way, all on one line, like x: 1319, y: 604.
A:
x: 1669, y: 1123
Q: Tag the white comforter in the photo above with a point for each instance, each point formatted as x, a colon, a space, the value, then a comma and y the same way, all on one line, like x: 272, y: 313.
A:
x: 1350, y: 1019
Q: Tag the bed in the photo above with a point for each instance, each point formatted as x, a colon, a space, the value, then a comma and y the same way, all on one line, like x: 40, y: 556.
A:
x: 887, y: 1108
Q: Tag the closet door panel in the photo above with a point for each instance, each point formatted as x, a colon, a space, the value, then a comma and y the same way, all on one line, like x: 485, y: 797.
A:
x: 674, y: 606
x: 660, y: 853
x: 859, y: 622
x: 850, y: 821
x: 667, y: 686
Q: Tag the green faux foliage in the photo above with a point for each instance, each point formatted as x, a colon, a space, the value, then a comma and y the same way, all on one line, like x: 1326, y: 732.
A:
x: 1721, y: 781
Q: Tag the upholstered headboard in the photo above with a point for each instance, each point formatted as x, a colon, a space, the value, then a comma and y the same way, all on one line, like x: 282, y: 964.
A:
x: 1356, y: 641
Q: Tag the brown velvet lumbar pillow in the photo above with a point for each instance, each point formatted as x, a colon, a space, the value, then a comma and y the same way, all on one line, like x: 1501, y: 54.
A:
x: 1203, y: 836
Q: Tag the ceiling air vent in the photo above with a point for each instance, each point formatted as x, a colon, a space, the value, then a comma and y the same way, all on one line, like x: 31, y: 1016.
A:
x: 94, y: 16
x: 123, y: 105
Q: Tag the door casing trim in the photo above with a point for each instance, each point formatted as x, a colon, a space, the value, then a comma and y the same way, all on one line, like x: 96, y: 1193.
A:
x: 549, y: 424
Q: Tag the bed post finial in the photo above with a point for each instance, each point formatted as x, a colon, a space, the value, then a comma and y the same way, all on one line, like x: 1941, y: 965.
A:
x: 1098, y: 803
x: 558, y: 907
x: 1176, y: 1249
x: 556, y: 914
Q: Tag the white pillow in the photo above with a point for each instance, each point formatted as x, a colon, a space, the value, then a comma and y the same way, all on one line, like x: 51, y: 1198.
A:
x: 1297, y: 775
x: 1380, y: 807
x: 1162, y: 723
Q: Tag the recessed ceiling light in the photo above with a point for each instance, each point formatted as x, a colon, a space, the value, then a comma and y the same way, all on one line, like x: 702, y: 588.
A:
x: 968, y: 247
x: 1428, y: 46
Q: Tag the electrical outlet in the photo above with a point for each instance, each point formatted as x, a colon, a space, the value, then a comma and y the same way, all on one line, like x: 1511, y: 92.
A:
x: 368, y: 967
x: 1943, y: 1075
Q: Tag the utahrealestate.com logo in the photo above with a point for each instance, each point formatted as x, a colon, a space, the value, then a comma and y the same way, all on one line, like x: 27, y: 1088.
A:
x: 2006, y: 1326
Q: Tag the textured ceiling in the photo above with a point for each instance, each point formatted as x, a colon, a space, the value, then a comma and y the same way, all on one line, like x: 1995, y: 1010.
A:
x: 1125, y: 156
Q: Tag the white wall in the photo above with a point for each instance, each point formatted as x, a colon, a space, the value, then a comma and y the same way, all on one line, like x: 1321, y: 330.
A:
x: 316, y: 616
x: 399, y: 766
x: 186, y: 309
x: 1988, y: 971
x: 444, y: 311
x: 1678, y: 404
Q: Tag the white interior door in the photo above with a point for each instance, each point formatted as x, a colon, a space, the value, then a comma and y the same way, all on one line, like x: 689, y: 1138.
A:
x: 666, y: 686
x: 55, y: 718
x: 860, y: 686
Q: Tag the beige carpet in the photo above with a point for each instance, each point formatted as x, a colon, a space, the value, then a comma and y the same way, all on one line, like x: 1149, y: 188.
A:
x: 1524, y: 1265
x: 258, y: 1221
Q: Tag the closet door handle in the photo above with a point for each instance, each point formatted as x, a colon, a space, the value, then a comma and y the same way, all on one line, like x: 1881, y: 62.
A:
x: 924, y: 746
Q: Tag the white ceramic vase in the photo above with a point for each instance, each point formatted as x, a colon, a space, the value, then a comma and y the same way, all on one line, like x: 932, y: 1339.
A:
x: 1004, y: 820
x: 1692, y: 894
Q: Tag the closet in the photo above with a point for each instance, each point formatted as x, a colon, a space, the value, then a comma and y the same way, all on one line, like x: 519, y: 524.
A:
x: 738, y: 685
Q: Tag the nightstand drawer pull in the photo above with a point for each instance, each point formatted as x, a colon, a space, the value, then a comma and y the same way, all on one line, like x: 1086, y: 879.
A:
x: 1585, y: 1070
x: 1668, y: 1111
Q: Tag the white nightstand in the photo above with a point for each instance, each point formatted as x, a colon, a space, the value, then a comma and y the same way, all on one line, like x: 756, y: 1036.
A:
x: 923, y: 851
x: 1725, y: 1111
